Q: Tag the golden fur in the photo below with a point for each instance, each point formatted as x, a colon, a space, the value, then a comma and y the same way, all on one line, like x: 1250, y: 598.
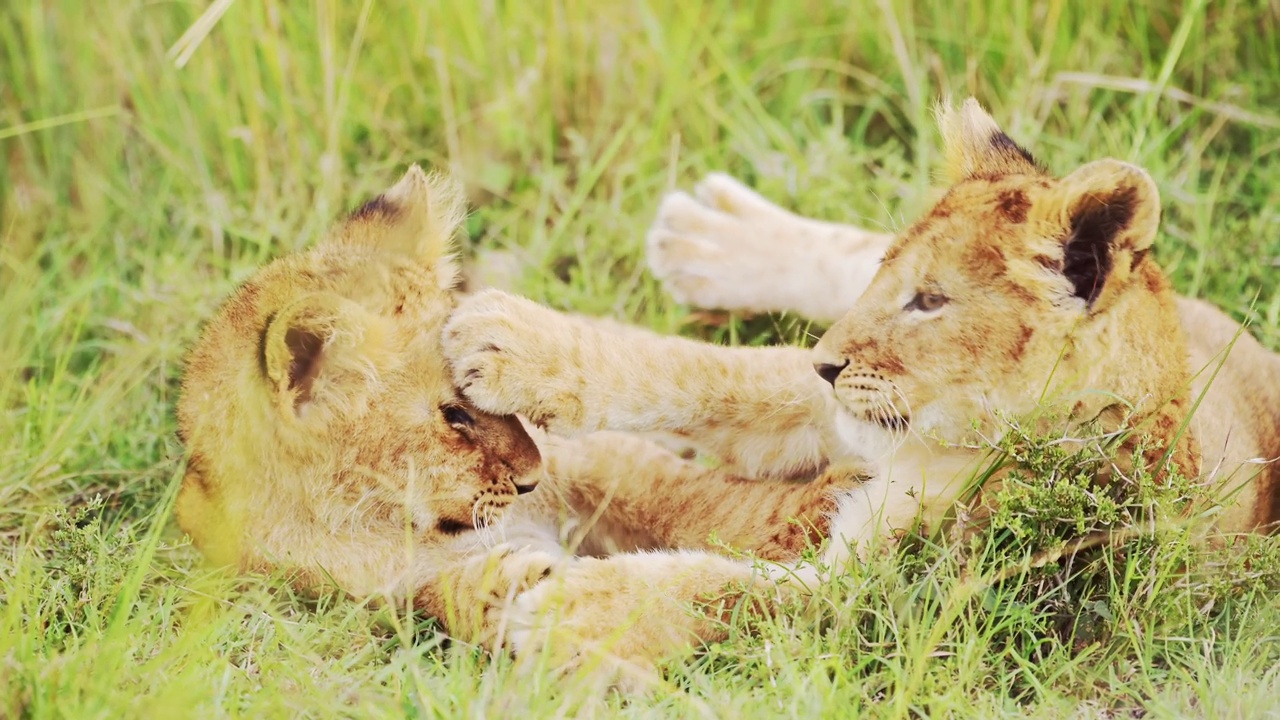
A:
x: 327, y: 441
x: 325, y: 438
x: 321, y: 405
x: 1019, y: 295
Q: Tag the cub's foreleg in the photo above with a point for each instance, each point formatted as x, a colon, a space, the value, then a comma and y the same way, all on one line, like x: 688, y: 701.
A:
x: 764, y: 412
x: 615, y: 618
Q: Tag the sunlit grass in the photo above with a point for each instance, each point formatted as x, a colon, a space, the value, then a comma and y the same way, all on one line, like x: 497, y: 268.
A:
x: 153, y: 154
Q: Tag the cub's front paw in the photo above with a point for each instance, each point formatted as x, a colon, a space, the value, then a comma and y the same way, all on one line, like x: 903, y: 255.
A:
x: 574, y: 624
x: 522, y: 568
x: 511, y: 356
x: 473, y: 598
x: 613, y: 619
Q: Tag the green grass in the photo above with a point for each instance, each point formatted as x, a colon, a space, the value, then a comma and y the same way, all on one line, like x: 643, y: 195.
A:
x: 153, y: 154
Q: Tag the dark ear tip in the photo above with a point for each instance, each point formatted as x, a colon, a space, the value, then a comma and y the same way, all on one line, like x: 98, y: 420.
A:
x: 1004, y: 144
x: 379, y: 208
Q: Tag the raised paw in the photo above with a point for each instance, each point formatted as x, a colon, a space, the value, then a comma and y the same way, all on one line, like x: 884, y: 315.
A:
x: 721, y: 247
x: 725, y: 247
x: 512, y: 356
x: 726, y: 194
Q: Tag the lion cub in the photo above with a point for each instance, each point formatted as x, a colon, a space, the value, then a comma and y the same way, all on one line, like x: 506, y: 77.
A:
x: 1018, y: 296
x: 327, y: 440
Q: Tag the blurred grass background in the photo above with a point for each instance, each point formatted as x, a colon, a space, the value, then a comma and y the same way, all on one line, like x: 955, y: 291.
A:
x: 153, y: 154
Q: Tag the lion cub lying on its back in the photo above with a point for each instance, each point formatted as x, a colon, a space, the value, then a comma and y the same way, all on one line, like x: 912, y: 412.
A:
x: 327, y: 440
x: 1019, y: 295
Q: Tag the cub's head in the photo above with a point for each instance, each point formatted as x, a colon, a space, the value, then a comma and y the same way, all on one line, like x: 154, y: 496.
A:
x: 1017, y: 289
x: 317, y: 408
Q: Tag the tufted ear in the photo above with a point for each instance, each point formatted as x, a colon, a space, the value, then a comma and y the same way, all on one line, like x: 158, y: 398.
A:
x: 1108, y: 212
x: 320, y: 352
x: 975, y: 145
x: 417, y: 217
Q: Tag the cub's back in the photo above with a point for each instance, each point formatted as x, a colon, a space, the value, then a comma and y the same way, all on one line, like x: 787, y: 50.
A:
x: 1238, y: 420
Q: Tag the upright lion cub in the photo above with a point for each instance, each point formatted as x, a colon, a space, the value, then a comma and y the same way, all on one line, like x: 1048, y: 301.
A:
x: 1017, y: 295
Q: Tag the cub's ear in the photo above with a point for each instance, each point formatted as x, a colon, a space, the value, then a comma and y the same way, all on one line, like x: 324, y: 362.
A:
x: 1107, y: 213
x: 322, y: 353
x: 417, y: 217
x: 975, y: 145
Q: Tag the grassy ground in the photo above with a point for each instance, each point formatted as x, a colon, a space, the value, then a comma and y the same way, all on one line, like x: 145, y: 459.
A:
x: 154, y: 155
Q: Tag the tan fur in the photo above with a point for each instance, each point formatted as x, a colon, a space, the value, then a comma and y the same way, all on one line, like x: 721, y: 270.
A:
x: 1018, y: 296
x: 324, y: 433
x: 327, y: 442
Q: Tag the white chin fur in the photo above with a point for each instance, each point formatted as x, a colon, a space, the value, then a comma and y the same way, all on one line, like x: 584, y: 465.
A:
x: 866, y: 439
x: 929, y: 425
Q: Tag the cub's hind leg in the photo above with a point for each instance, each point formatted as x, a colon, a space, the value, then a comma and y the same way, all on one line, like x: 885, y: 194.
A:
x: 727, y: 247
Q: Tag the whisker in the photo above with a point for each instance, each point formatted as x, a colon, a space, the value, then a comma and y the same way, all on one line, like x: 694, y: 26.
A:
x: 494, y: 529
x: 481, y: 524
x: 890, y: 420
x: 910, y: 429
x: 499, y: 527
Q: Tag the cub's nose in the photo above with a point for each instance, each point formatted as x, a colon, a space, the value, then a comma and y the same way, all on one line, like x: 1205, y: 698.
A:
x: 525, y: 489
x: 830, y: 372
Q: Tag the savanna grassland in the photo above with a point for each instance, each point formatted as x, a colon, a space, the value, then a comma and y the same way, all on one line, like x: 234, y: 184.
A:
x: 152, y: 154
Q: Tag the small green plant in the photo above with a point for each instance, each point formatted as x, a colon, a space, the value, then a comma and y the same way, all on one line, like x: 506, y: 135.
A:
x: 87, y: 566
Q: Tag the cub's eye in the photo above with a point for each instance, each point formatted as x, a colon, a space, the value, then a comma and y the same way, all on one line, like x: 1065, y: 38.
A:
x: 456, y: 416
x: 927, y: 302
